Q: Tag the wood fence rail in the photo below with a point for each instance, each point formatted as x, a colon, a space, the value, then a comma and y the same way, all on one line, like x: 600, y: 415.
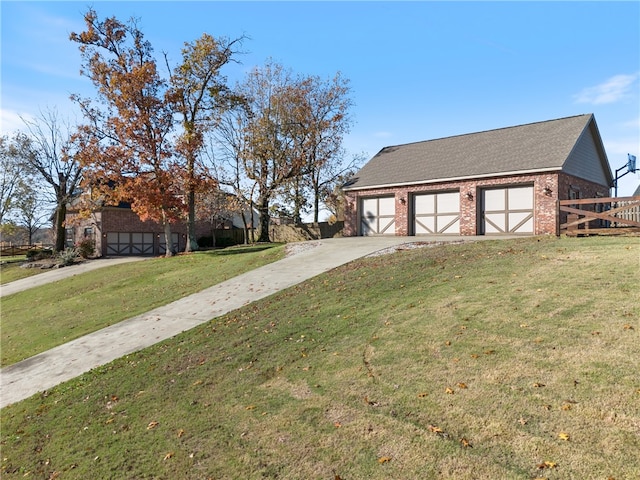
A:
x: 603, y: 215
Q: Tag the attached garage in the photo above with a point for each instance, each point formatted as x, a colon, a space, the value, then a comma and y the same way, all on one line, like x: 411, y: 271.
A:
x: 127, y: 243
x: 378, y: 216
x: 508, y: 210
x: 436, y: 213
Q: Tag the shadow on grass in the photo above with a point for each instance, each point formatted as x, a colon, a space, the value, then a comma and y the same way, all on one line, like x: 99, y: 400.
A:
x: 239, y: 249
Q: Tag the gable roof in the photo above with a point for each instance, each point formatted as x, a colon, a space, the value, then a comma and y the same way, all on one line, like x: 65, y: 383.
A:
x: 530, y: 148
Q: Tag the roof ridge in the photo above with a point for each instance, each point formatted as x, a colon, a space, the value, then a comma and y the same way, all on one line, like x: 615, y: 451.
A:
x: 487, y: 131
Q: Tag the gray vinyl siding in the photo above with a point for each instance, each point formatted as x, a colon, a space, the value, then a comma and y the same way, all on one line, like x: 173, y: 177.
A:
x: 584, y: 161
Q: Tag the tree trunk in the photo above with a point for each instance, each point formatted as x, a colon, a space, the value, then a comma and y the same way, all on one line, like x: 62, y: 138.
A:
x: 263, y: 211
x: 192, y: 243
x: 168, y: 241
x: 316, y: 205
x: 61, y: 236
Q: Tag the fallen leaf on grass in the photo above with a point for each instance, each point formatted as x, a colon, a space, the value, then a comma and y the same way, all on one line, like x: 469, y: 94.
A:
x: 180, y: 433
x: 462, y: 385
x: 434, y: 429
x: 547, y: 464
x: 523, y: 421
x: 168, y: 456
x: 465, y: 443
x: 564, y: 436
x: 422, y: 394
x: 250, y: 407
x: 152, y: 425
x: 489, y: 352
x: 384, y: 460
x: 538, y: 385
x: 449, y: 391
x: 626, y: 326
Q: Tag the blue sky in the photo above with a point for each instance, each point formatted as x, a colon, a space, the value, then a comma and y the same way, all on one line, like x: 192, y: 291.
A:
x: 418, y: 70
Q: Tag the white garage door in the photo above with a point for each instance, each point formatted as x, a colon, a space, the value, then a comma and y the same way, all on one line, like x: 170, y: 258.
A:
x: 126, y: 243
x: 435, y: 213
x: 378, y: 216
x: 508, y: 210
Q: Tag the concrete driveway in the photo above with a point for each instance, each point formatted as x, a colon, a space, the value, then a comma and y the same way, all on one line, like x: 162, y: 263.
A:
x: 74, y: 358
x: 56, y: 274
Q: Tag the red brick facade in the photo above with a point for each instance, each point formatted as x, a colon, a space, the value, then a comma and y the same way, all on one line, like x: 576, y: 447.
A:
x: 547, y: 188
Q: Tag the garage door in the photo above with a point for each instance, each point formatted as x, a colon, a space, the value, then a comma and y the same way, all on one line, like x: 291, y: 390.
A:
x: 126, y: 243
x: 508, y: 210
x: 378, y: 216
x: 436, y: 213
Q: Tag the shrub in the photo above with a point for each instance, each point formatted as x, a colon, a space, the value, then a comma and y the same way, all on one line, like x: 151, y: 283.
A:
x: 35, y: 254
x: 67, y: 257
x: 86, y: 248
x: 205, y: 242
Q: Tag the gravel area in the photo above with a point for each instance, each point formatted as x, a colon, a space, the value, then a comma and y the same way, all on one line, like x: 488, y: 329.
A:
x: 292, y: 249
x: 410, y: 246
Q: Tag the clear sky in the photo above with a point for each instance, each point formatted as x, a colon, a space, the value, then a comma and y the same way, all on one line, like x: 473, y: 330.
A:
x: 418, y: 70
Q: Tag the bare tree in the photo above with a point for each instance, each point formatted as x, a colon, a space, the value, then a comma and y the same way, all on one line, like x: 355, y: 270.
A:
x: 53, y: 158
x: 15, y: 154
x: 272, y: 154
x: 31, y: 210
x: 230, y: 141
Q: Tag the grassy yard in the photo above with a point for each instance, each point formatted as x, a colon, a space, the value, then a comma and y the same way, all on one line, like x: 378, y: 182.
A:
x: 38, y: 319
x: 498, y: 360
x: 10, y: 269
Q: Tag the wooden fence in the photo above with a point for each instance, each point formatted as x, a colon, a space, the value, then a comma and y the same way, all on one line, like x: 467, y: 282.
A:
x: 11, y: 249
x: 600, y: 216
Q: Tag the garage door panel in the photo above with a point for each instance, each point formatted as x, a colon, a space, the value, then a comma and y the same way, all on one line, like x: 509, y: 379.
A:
x: 495, y: 223
x: 369, y: 208
x: 449, y: 203
x: 494, y: 200
x: 449, y: 224
x: 520, y: 223
x: 520, y: 198
x: 387, y: 206
x: 425, y: 225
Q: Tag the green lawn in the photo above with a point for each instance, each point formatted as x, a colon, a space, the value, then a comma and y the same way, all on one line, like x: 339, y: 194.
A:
x: 10, y: 269
x: 500, y: 360
x: 38, y: 319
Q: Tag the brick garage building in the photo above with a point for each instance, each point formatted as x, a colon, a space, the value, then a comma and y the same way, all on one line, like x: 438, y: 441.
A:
x: 504, y: 181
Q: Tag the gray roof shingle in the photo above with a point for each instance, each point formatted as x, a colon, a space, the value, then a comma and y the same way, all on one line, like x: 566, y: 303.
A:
x: 525, y: 148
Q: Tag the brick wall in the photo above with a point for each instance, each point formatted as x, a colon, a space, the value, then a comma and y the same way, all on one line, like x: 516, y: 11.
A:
x: 113, y: 219
x: 547, y: 189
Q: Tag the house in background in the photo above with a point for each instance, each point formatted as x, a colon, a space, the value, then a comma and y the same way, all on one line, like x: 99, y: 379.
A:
x: 504, y: 181
x: 117, y: 230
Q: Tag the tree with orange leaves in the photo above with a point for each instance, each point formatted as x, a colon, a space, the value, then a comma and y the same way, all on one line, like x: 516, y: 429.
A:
x: 127, y: 146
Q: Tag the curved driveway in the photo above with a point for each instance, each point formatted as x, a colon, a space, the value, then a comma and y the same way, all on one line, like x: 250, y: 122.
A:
x: 74, y: 358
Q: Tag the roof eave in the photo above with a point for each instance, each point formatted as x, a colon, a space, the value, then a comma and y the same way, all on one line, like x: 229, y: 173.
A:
x: 454, y: 179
